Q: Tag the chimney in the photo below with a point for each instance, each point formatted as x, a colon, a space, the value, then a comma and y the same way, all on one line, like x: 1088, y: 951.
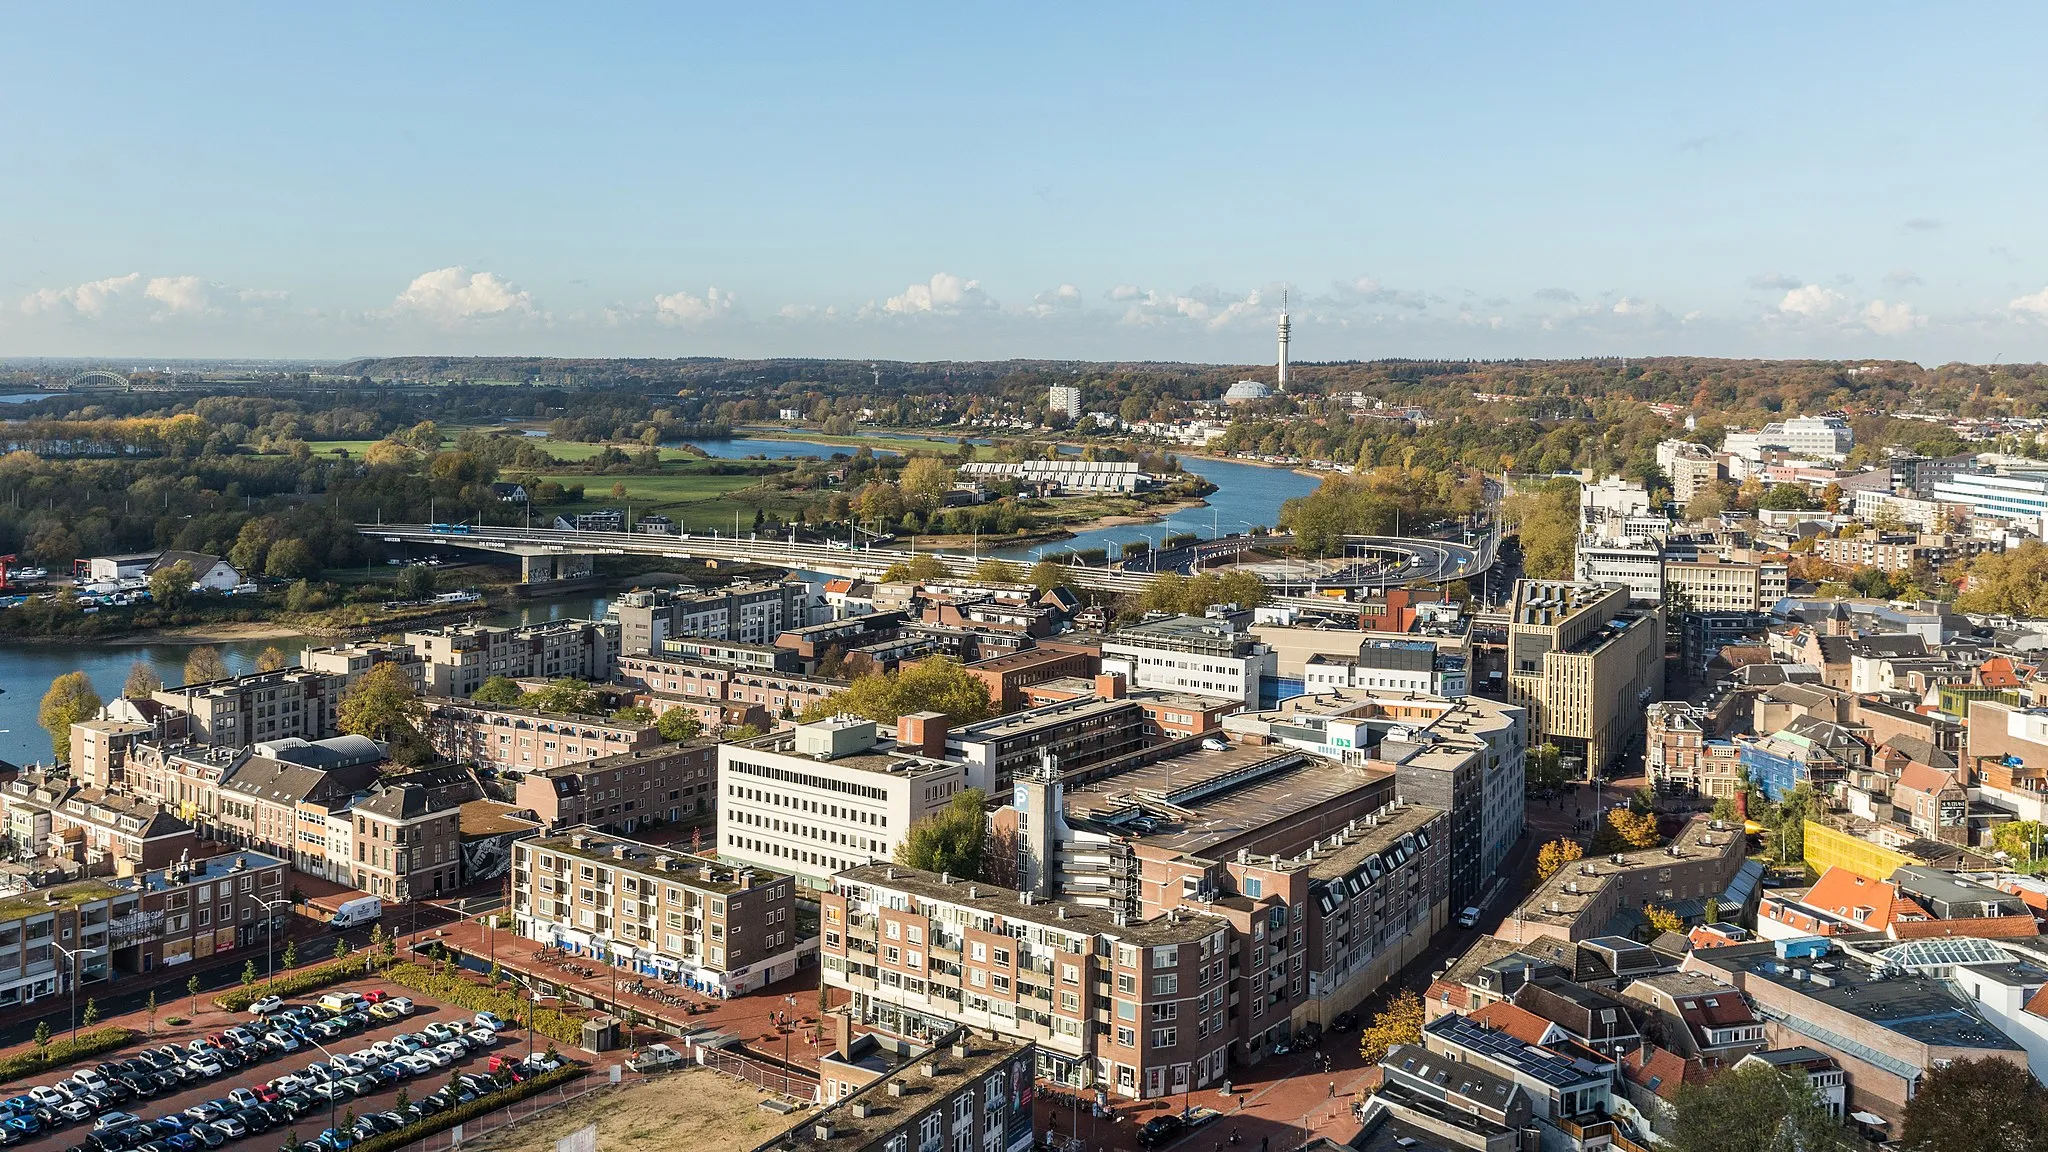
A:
x: 1109, y: 686
x: 896, y: 1089
x: 923, y: 733
x: 842, y: 1035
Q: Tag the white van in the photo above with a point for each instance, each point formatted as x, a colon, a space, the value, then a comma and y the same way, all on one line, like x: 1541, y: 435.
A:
x: 1469, y: 917
x: 356, y: 913
x: 341, y: 1001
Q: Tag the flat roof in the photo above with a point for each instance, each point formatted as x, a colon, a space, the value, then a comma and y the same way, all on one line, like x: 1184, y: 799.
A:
x: 1915, y: 1006
x: 1699, y: 838
x: 923, y: 1080
x: 1179, y: 927
x: 683, y: 867
x: 1205, y: 798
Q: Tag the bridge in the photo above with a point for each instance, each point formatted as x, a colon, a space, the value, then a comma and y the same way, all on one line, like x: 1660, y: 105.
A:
x: 548, y: 555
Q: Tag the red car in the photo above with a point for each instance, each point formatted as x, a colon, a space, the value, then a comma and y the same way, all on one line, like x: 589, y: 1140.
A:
x: 375, y: 995
x: 266, y: 1093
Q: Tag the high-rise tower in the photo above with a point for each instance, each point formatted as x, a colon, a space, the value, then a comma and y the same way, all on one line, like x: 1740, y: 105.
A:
x: 1282, y: 377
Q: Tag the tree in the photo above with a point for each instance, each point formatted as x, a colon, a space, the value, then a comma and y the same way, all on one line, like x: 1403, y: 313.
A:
x: 252, y: 543
x: 42, y: 1034
x: 925, y: 481
x: 383, y: 705
x: 923, y: 566
x: 498, y: 690
x: 150, y: 1007
x: 414, y: 583
x: 2013, y: 583
x: 204, y: 664
x: 1400, y: 1022
x: 1661, y: 919
x: 998, y: 572
x: 1627, y: 828
x: 677, y: 725
x: 290, y: 959
x: 938, y: 684
x: 1047, y: 575
x: 291, y: 559
x: 91, y: 1015
x: 2019, y: 839
x: 1753, y: 1109
x: 950, y: 840
x: 1786, y: 498
x: 1547, y: 522
x: 142, y: 682
x: 1544, y: 768
x: 634, y: 714
x: 272, y: 659
x: 1986, y: 1105
x: 1555, y: 855
x: 70, y: 700
x: 565, y: 694
x: 1710, y: 910
x: 171, y: 586
x: 340, y: 948
x: 192, y: 990
x: 249, y: 973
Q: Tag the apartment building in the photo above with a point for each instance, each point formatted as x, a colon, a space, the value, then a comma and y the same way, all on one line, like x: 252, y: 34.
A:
x: 1388, y: 665
x: 781, y: 695
x: 665, y: 784
x: 1597, y: 898
x: 732, y: 653
x: 1468, y: 762
x: 1692, y: 469
x: 1076, y: 733
x: 751, y: 613
x: 1206, y: 656
x: 658, y: 911
x: 353, y: 660
x: 1996, y: 496
x: 100, y: 750
x: 459, y: 658
x: 1806, y: 437
x: 1168, y: 715
x: 970, y: 1090
x: 244, y: 710
x: 1685, y: 755
x: 136, y: 925
x: 505, y: 737
x: 1584, y: 664
x: 826, y: 796
x: 407, y: 843
x: 1637, y: 565
x: 89, y: 830
x: 1008, y: 676
x: 1711, y: 584
x: 1068, y: 475
x: 293, y: 811
x: 1902, y: 552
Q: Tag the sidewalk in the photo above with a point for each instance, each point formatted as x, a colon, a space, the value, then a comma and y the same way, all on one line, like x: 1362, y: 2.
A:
x: 750, y: 1018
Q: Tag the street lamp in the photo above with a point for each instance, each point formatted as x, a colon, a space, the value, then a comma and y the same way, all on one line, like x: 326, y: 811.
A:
x: 532, y: 1005
x: 269, y: 939
x: 332, y: 1102
x: 73, y: 957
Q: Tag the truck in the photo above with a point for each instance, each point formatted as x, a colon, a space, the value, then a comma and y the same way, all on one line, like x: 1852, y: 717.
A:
x: 654, y: 1058
x: 356, y: 913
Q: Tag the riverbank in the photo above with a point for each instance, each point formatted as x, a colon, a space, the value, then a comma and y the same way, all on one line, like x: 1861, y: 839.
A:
x: 224, y: 632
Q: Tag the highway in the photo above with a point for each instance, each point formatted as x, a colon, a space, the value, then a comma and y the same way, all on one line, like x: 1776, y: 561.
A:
x: 1414, y: 561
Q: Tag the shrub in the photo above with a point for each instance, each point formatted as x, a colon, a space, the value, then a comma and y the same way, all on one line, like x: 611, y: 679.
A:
x: 295, y: 983
x: 462, y: 1113
x: 454, y: 988
x: 25, y: 1064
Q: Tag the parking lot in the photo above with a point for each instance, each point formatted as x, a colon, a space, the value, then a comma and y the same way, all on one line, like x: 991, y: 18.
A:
x: 254, y: 1076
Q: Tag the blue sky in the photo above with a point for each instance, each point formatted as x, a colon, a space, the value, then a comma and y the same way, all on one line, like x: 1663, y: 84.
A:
x: 953, y: 181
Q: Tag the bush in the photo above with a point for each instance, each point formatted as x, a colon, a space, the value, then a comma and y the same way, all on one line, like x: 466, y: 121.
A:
x: 456, y: 989
x: 301, y: 981
x: 25, y: 1064
x: 462, y: 1113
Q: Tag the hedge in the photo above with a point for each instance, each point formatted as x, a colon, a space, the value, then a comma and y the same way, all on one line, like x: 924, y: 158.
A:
x: 463, y: 1113
x: 456, y: 989
x: 30, y: 1061
x: 300, y: 980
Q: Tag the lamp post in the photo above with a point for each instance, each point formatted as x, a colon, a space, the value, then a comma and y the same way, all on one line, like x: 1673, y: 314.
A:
x: 269, y: 939
x: 73, y: 957
x: 332, y: 1103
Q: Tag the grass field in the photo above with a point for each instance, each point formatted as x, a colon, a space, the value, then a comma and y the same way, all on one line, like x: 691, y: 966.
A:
x: 897, y: 442
x: 564, y: 450
x: 696, y: 1109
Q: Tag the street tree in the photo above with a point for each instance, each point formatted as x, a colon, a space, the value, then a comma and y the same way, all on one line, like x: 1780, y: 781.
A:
x: 70, y: 700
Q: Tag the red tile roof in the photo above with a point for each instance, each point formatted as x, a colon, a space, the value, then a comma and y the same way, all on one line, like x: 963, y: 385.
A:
x: 1660, y: 1070
x: 1924, y: 778
x: 1520, y: 1023
x: 1875, y: 904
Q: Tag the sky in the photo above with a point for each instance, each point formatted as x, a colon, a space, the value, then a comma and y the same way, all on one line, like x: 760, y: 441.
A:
x: 1069, y: 181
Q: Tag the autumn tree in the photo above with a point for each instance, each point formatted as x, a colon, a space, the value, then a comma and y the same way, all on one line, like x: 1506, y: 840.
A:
x: 383, y: 705
x: 1986, y: 1105
x: 291, y: 559
x: 998, y: 572
x: 2012, y: 583
x: 1757, y: 1108
x: 938, y: 684
x: 1400, y: 1022
x: 1543, y: 769
x: 923, y: 566
x: 2019, y: 839
x: 272, y: 659
x: 498, y: 689
x: 204, y: 664
x: 677, y: 725
x: 1626, y: 828
x: 1547, y: 522
x: 1046, y: 575
x: 171, y: 585
x: 925, y: 481
x: 142, y: 682
x: 564, y: 694
x: 949, y: 840
x: 70, y: 700
x: 1661, y: 919
x: 1555, y: 854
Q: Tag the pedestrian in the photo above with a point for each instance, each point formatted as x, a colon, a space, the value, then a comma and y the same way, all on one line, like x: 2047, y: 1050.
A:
x: 1333, y: 1089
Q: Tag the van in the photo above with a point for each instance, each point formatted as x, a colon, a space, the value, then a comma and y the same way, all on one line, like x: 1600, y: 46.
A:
x: 1469, y: 917
x: 341, y: 1001
x: 356, y: 913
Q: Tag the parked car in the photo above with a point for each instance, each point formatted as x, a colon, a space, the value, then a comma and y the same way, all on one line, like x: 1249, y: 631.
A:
x: 386, y: 1012
x: 1160, y: 1129
x: 265, y: 1005
x: 232, y: 1126
x: 73, y: 1111
x: 653, y: 1058
x: 440, y: 1031
x: 109, y: 1120
x: 403, y: 1004
x: 416, y: 1064
x: 490, y: 1020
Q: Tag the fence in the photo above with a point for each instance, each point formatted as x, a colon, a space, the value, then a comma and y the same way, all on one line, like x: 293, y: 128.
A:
x: 517, y: 1111
x: 791, y: 1084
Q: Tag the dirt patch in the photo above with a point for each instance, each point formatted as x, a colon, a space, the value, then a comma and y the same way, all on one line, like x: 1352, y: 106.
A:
x: 696, y: 1109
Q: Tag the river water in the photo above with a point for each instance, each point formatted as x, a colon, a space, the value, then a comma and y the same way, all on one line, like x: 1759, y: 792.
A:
x: 1246, y: 494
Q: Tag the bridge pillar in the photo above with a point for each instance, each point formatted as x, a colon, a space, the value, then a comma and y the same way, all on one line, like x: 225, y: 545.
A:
x: 550, y: 567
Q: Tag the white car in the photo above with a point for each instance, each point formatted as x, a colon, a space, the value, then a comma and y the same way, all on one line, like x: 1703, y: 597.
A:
x: 435, y: 1056
x: 388, y: 1051
x: 266, y: 1005
x: 403, y: 1005
x: 480, y: 1038
x: 47, y: 1097
x: 75, y: 1110
x: 115, y: 1120
x: 290, y: 1083
x: 490, y: 1020
x: 539, y: 1062
x: 206, y: 1064
x: 415, y: 1064
x: 453, y: 1051
x: 368, y: 1058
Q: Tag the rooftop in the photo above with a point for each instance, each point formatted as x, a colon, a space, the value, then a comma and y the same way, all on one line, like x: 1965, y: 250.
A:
x: 1200, y: 799
x: 1916, y: 1007
x: 1560, y: 899
x: 671, y: 864
x: 859, y: 1120
x: 989, y: 899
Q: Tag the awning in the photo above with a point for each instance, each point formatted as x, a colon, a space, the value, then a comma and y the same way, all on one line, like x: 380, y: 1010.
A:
x: 1869, y: 1118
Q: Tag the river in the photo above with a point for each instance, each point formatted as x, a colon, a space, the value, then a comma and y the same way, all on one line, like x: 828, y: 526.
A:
x: 1246, y: 494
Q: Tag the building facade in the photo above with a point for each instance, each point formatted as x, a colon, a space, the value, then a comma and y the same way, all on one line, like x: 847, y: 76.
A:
x: 1584, y: 664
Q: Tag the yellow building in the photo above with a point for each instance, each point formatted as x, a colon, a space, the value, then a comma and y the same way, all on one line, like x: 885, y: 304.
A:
x: 1829, y: 847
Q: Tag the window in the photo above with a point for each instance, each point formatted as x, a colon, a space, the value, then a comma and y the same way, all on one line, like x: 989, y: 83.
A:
x: 1127, y: 983
x: 1166, y: 957
x: 1126, y: 1037
x: 1164, y: 1037
x: 1167, y: 985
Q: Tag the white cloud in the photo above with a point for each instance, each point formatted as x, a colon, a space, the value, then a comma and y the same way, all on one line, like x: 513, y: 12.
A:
x: 91, y: 299
x: 2035, y: 305
x: 945, y: 294
x: 1632, y: 306
x: 1123, y: 292
x: 1811, y: 300
x: 685, y: 308
x: 1774, y: 281
x: 1891, y: 319
x: 450, y: 295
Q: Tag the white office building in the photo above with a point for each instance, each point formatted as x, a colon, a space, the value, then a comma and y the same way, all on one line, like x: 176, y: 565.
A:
x: 1065, y: 399
x: 1196, y: 654
x: 1805, y: 437
x: 1637, y: 565
x: 824, y: 797
x: 1997, y: 496
x: 1070, y: 475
